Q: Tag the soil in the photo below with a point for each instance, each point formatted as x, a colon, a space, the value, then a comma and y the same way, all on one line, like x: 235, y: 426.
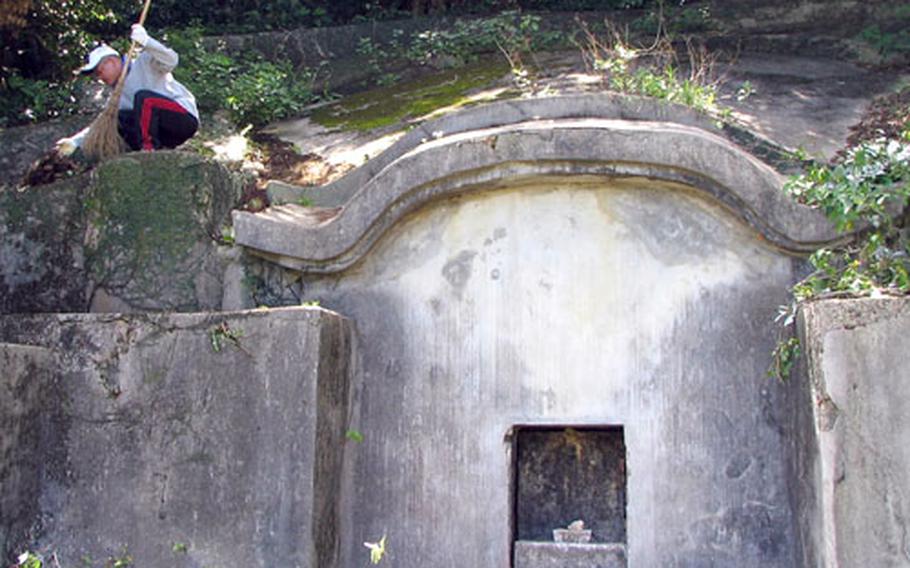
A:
x: 887, y: 116
x: 281, y: 161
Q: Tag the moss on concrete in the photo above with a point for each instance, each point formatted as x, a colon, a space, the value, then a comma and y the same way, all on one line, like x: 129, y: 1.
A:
x: 19, y: 209
x: 409, y: 99
x: 13, y: 209
x: 138, y: 233
x: 142, y: 212
x: 152, y: 220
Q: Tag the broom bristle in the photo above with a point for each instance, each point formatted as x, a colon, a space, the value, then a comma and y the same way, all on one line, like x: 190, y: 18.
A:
x: 103, y: 139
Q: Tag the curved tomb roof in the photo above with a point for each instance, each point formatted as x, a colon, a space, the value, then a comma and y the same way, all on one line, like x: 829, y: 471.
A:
x: 581, y: 137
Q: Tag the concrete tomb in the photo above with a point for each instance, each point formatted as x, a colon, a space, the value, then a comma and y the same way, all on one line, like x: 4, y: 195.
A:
x: 556, y: 318
x: 542, y: 274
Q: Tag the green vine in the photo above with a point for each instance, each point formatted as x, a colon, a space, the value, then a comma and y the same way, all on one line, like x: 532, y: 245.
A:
x: 784, y: 357
x: 865, y: 193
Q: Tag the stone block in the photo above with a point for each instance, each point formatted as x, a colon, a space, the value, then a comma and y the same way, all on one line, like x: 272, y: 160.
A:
x: 153, y: 225
x: 194, y: 439
x: 529, y: 554
x: 42, y: 257
x: 861, y: 466
x: 141, y: 232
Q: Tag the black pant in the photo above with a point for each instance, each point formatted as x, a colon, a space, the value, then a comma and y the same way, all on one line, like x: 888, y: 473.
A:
x: 156, y: 121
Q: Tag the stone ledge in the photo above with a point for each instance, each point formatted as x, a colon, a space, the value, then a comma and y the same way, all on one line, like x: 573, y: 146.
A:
x: 530, y: 554
x: 511, y: 112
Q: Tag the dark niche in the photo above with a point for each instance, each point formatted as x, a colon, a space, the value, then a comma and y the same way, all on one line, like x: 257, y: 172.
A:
x: 569, y: 474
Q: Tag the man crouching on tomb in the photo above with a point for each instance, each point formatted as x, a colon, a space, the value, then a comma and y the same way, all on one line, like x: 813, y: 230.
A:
x: 155, y: 110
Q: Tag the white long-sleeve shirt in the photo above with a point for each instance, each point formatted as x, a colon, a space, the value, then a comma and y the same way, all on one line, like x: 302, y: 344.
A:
x: 152, y: 71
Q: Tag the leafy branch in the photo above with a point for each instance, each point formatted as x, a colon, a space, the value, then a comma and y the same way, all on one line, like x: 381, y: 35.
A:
x: 867, y: 192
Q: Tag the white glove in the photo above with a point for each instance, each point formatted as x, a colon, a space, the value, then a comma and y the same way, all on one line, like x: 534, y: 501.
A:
x: 139, y: 35
x: 65, y: 147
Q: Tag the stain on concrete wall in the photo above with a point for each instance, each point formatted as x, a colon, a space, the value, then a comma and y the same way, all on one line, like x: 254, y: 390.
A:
x: 26, y: 389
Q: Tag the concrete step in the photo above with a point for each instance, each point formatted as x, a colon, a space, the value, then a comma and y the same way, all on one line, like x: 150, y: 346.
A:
x: 530, y: 554
x: 281, y: 193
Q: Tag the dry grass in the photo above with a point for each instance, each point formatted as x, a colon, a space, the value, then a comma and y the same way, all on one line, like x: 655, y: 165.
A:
x: 684, y: 75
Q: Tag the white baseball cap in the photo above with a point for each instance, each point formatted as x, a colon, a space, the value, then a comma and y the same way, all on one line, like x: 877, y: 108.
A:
x: 96, y: 56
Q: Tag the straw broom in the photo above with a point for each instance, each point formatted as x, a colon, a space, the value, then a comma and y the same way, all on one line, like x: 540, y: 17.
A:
x: 103, y: 138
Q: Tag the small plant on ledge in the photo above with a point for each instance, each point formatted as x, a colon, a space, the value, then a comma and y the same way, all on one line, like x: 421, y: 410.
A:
x: 654, y: 71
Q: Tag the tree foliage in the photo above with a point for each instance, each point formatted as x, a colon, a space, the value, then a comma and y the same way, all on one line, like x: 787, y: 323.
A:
x: 252, y: 90
x: 12, y: 14
x: 867, y: 191
x: 56, y: 33
x: 42, y: 41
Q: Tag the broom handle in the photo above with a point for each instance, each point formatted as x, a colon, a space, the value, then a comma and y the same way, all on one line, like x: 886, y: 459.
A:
x: 145, y: 11
x: 132, y: 51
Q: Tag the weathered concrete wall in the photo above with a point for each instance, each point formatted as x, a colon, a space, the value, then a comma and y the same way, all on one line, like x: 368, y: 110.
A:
x: 803, y: 478
x: 25, y: 386
x: 811, y: 27
x: 834, y: 17
x: 572, y: 301
x: 332, y: 239
x: 333, y: 51
x: 856, y: 453
x: 141, y: 232
x: 838, y: 18
x: 563, y: 268
x: 154, y: 442
x: 829, y: 28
